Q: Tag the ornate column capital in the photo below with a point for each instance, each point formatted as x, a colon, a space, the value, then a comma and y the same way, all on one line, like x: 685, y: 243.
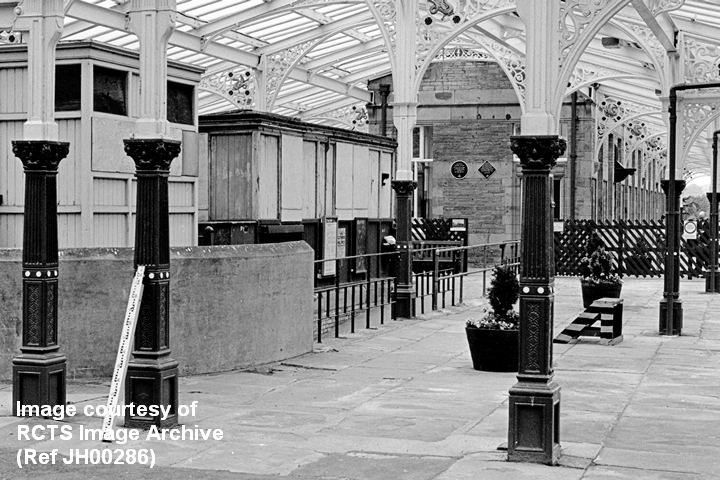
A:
x: 152, y: 154
x: 404, y: 187
x: 679, y: 186
x: 40, y: 155
x: 537, y: 152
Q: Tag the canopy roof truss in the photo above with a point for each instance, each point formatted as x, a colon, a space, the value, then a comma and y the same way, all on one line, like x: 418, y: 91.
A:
x: 313, y: 58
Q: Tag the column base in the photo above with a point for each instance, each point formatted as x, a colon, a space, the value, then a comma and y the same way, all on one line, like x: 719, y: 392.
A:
x: 39, y: 379
x: 708, y: 278
x: 152, y: 382
x: 405, y: 302
x: 677, y: 317
x: 534, y: 430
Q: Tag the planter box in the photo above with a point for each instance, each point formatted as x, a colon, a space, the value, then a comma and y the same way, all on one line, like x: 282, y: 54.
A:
x: 493, y: 350
x: 592, y: 292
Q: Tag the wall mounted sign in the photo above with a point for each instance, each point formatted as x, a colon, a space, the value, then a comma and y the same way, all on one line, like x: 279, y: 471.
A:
x: 458, y: 225
x: 690, y: 230
x: 459, y: 169
x: 361, y: 225
x: 330, y: 245
x: 487, y: 169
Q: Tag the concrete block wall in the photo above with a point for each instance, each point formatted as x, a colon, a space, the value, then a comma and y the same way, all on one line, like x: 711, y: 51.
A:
x: 230, y: 307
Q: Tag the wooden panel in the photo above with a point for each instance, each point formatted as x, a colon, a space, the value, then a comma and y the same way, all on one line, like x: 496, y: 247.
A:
x: 111, y: 230
x: 309, y: 179
x: 109, y: 192
x: 134, y: 101
x: 11, y: 230
x: 374, y: 174
x: 13, y: 87
x: 240, y: 197
x: 385, y: 210
x: 191, y: 153
x: 361, y: 181
x: 203, y: 168
x: 181, y: 194
x: 69, y: 175
x: 321, y: 181
x: 344, y: 181
x: 108, y: 154
x: 330, y: 181
x: 268, y: 175
x: 181, y: 230
x: 218, y: 177
x: 12, y: 179
x: 292, y: 174
x: 69, y: 230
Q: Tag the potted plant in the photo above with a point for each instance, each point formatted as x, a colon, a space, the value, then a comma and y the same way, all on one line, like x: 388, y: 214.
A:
x: 597, y: 278
x: 493, y: 338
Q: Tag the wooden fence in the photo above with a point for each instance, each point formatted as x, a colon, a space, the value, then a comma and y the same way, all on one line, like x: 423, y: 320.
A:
x: 638, y: 247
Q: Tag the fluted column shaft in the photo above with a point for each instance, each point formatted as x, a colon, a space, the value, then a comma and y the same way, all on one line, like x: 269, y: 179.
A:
x: 39, y: 371
x: 533, y: 432
x: 152, y: 374
x: 671, y: 293
x: 405, y: 291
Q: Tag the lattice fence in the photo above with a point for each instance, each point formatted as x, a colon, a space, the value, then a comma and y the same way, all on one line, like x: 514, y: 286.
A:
x: 638, y: 247
x: 440, y: 229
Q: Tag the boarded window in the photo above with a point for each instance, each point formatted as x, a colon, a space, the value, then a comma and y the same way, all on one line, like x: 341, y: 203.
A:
x: 109, y: 91
x: 180, y: 103
x: 67, y: 88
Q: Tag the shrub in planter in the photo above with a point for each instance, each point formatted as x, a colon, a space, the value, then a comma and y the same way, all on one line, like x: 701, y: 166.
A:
x: 493, y: 338
x: 597, y: 277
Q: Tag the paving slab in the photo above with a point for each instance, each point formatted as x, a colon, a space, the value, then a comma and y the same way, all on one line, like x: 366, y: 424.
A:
x: 402, y: 401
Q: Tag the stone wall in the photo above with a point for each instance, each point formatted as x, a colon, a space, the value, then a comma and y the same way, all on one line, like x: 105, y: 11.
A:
x: 230, y: 307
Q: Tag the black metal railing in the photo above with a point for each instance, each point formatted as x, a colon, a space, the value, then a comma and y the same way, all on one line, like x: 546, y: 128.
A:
x: 447, y: 277
x: 362, y: 293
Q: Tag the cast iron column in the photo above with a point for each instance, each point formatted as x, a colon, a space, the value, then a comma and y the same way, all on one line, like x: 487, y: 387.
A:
x: 405, y: 292
x: 534, y: 424
x: 39, y: 371
x: 152, y: 376
x: 712, y: 278
x: 671, y: 293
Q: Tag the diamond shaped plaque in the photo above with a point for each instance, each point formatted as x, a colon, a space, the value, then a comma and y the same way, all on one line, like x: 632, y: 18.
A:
x: 487, y: 169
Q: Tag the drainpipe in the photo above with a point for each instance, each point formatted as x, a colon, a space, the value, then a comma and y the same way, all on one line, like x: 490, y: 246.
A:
x: 671, y: 311
x: 573, y: 154
x: 384, y: 92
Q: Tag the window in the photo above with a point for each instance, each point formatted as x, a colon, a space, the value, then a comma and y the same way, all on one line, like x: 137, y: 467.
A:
x: 180, y: 103
x: 67, y: 88
x: 109, y: 91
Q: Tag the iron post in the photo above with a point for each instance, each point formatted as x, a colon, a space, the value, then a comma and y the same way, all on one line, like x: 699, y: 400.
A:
x: 405, y: 292
x: 712, y: 282
x: 152, y: 376
x: 534, y: 423
x: 671, y: 311
x: 40, y: 369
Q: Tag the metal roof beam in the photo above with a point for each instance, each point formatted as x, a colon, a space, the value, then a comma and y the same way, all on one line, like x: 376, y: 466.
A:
x: 115, y: 20
x: 324, y: 20
x: 665, y: 37
x: 315, y: 33
x: 237, y: 19
x: 339, y: 56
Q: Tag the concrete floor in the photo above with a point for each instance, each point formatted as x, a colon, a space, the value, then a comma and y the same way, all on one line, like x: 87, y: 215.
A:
x: 401, y: 401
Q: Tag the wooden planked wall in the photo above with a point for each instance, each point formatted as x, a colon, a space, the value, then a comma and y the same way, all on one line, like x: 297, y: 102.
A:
x: 96, y: 186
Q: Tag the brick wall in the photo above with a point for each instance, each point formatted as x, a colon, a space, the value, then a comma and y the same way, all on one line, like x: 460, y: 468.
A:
x: 464, y: 75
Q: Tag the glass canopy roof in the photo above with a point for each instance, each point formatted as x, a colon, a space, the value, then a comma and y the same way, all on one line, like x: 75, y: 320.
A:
x: 328, y: 50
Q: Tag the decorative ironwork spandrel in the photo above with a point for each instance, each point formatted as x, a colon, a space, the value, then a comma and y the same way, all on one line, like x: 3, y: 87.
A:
x: 236, y: 84
x: 575, y: 16
x: 702, y: 60
x: 354, y: 117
